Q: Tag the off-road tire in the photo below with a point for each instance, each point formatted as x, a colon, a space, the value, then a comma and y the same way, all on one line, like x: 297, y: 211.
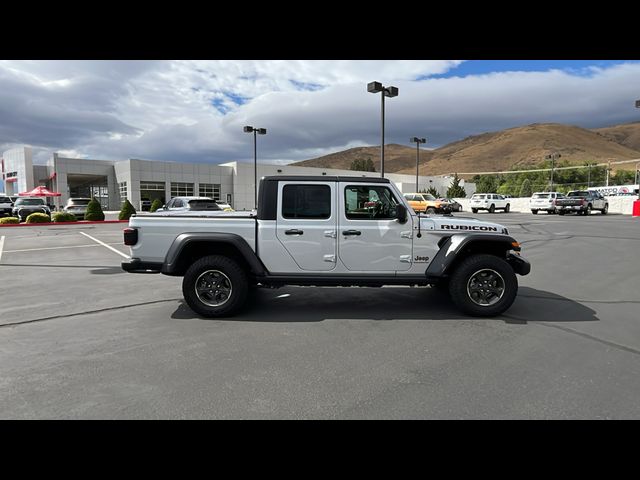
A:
x: 605, y: 209
x: 237, y: 279
x: 460, y: 281
x: 474, y: 210
x: 431, y: 211
x: 492, y: 208
x: 507, y: 208
x: 535, y: 212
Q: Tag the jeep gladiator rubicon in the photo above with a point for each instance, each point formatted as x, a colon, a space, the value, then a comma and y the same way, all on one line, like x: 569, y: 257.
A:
x: 327, y: 231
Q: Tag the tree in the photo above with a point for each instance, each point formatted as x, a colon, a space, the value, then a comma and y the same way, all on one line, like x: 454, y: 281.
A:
x: 486, y: 184
x: 94, y: 211
x: 363, y: 165
x: 157, y: 203
x: 525, y: 188
x: 455, y: 190
x: 126, y: 211
x: 433, y: 191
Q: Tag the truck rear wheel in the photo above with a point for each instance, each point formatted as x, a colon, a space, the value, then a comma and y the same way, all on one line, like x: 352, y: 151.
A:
x: 215, y: 286
x: 483, y: 286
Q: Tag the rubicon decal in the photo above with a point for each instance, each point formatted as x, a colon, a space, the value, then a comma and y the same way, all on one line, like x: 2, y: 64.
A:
x: 482, y: 228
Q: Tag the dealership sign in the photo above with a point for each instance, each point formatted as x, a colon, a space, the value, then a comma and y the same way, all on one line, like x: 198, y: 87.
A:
x: 616, y: 189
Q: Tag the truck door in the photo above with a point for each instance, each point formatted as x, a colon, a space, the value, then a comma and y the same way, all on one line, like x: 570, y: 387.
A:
x: 306, y: 223
x: 370, y: 239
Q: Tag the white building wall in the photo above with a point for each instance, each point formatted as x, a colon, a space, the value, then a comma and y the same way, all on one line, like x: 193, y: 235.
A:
x: 19, y: 160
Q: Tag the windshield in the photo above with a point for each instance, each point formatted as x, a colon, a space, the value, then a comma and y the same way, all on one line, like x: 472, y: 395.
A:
x: 30, y: 201
x: 478, y: 196
x: 578, y: 194
x: 428, y: 196
x: 203, y: 205
x: 541, y: 195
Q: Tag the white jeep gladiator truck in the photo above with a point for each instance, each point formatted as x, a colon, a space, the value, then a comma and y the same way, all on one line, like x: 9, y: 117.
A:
x: 327, y: 231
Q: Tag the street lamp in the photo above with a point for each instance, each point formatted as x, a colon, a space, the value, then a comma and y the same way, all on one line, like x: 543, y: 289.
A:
x: 553, y: 157
x: 417, y: 141
x: 259, y: 131
x: 377, y: 87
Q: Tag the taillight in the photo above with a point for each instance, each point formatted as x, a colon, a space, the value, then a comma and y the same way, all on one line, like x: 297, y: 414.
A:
x: 130, y: 236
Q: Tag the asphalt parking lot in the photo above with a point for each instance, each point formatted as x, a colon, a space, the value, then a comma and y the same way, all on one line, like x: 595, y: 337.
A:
x: 80, y: 338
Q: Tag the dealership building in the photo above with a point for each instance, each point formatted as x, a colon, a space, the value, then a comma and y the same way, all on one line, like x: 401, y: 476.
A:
x: 113, y: 181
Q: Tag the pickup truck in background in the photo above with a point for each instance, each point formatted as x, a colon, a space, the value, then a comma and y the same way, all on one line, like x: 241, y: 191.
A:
x: 327, y: 231
x: 582, y: 202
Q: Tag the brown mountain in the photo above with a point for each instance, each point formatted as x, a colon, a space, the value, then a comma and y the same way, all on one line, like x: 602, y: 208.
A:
x: 502, y: 150
x: 396, y: 157
x: 627, y: 134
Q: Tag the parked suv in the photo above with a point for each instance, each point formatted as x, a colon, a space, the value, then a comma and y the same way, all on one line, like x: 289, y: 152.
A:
x: 490, y: 202
x: 77, y: 206
x: 6, y: 204
x: 25, y: 206
x: 544, y: 201
x: 181, y: 204
x: 426, y: 203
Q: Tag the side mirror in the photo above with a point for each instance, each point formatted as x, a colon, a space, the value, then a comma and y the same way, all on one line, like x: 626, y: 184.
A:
x: 401, y: 213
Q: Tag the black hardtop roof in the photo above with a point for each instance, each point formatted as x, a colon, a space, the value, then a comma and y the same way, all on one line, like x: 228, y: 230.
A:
x: 324, y: 178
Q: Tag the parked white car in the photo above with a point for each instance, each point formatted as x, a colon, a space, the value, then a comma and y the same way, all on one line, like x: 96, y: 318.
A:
x: 544, y: 201
x: 490, y: 202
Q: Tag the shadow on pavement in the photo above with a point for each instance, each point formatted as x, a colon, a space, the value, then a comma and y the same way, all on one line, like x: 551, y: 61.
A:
x: 313, y: 304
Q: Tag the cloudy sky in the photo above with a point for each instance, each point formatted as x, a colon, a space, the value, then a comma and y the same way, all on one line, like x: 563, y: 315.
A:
x: 194, y: 111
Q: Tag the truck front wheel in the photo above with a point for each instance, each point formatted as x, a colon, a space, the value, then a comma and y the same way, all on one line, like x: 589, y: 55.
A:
x: 483, y: 286
x: 215, y: 286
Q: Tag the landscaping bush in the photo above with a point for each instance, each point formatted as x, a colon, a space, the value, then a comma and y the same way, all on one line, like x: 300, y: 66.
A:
x: 126, y: 211
x: 38, y: 218
x: 8, y: 220
x: 64, y: 217
x: 157, y: 203
x: 94, y: 211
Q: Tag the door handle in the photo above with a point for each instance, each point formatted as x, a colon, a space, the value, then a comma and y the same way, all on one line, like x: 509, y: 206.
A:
x: 295, y: 231
x: 351, y: 232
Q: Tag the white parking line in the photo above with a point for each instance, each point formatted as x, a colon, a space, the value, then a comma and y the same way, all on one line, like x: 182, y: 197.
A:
x: 53, y: 248
x: 105, y: 245
x: 1, y: 246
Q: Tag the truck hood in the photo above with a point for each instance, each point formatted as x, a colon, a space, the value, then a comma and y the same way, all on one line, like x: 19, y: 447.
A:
x: 460, y: 225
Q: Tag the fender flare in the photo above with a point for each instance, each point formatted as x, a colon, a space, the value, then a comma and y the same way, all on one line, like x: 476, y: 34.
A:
x: 171, y: 260
x: 451, y: 247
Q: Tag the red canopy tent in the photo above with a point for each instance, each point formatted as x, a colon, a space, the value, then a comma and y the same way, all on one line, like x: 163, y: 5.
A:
x: 40, y: 191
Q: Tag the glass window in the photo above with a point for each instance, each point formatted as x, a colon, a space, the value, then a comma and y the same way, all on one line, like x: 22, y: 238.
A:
x: 306, y: 201
x: 123, y: 190
x: 369, y: 203
x: 155, y: 186
x: 211, y: 190
x: 180, y: 189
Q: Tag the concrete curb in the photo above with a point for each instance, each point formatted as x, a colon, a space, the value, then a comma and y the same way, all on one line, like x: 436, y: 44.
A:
x: 61, y: 223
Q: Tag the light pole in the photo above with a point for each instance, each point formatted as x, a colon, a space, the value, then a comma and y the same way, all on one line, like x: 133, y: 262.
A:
x: 417, y: 141
x: 259, y: 131
x: 377, y: 87
x: 553, y: 157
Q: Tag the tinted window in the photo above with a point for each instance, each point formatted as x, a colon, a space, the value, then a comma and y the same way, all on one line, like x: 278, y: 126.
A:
x: 5, y: 200
x: 203, y: 205
x: 79, y: 201
x: 429, y: 197
x: 306, y: 201
x: 30, y: 201
x: 540, y: 195
x: 578, y: 194
x: 369, y: 203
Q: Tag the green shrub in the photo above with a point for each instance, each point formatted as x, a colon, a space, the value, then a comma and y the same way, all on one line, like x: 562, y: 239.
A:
x: 94, y: 211
x: 126, y: 211
x: 8, y: 220
x: 64, y: 217
x: 157, y: 203
x: 38, y: 218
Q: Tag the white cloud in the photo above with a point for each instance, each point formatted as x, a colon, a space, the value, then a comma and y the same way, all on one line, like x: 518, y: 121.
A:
x: 195, y: 110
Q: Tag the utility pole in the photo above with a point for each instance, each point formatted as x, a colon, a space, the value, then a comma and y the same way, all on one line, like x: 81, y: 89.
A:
x: 553, y: 157
x: 608, y: 170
